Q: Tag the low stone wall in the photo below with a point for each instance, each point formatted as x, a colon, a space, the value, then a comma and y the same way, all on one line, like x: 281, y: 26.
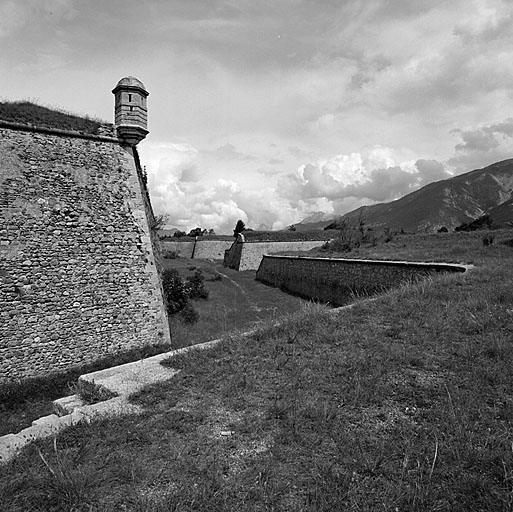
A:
x: 335, y: 280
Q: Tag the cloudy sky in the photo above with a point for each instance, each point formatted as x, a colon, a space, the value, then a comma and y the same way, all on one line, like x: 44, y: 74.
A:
x: 270, y: 110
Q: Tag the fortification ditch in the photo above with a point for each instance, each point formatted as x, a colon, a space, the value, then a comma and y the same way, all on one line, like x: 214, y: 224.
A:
x: 334, y: 281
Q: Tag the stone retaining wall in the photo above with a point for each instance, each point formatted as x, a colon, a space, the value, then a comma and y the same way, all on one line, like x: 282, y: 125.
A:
x: 335, y: 280
x: 78, y: 279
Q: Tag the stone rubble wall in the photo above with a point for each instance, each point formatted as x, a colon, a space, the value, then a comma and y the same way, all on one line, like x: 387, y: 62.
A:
x: 335, y: 281
x: 78, y: 279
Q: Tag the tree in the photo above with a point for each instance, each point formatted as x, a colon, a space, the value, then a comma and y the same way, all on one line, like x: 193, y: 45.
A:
x: 239, y: 228
x: 195, y: 232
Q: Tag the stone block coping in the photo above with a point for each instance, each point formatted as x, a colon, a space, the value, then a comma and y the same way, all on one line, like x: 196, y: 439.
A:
x: 451, y: 267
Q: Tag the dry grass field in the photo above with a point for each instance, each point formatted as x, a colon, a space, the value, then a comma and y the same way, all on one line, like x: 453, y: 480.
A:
x: 402, y: 403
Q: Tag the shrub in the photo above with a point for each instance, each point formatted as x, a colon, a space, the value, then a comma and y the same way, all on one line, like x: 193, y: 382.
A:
x: 348, y: 239
x: 196, y: 284
x: 179, y: 292
x: 170, y: 255
x: 339, y: 244
x: 488, y: 239
x: 176, y: 291
x: 188, y: 314
x: 388, y: 235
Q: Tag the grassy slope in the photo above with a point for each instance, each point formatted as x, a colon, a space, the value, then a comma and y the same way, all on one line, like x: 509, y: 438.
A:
x: 402, y: 403
x: 25, y: 112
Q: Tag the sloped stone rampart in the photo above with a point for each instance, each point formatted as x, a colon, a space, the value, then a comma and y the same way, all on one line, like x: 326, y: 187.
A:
x: 78, y: 279
x: 334, y: 280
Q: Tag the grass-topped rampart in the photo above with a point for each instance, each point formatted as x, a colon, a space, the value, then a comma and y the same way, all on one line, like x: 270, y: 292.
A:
x: 401, y: 403
x: 28, y: 113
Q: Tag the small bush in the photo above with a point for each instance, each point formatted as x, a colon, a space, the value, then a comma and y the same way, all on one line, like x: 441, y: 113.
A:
x: 179, y: 292
x: 188, y: 314
x: 170, y: 255
x: 176, y: 291
x: 388, y: 235
x: 488, y: 239
x: 196, y: 284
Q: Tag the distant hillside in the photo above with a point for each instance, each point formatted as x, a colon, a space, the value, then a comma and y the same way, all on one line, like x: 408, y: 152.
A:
x: 502, y: 214
x: 28, y: 113
x: 288, y: 236
x: 447, y: 203
x: 315, y: 221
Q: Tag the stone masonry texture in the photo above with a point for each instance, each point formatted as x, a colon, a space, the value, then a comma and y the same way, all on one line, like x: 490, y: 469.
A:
x: 78, y: 279
x: 335, y: 280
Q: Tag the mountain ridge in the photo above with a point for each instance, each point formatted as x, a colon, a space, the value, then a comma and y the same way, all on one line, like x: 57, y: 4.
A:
x: 443, y: 204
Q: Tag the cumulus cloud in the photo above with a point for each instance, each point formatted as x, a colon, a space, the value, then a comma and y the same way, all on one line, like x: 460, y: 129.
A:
x: 477, y: 140
x: 483, y: 145
x: 430, y: 171
x: 346, y: 180
x: 191, y: 197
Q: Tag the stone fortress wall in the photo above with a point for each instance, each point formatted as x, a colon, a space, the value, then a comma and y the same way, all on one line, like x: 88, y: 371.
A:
x: 201, y: 248
x: 247, y: 251
x: 78, y: 274
x: 335, y: 280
